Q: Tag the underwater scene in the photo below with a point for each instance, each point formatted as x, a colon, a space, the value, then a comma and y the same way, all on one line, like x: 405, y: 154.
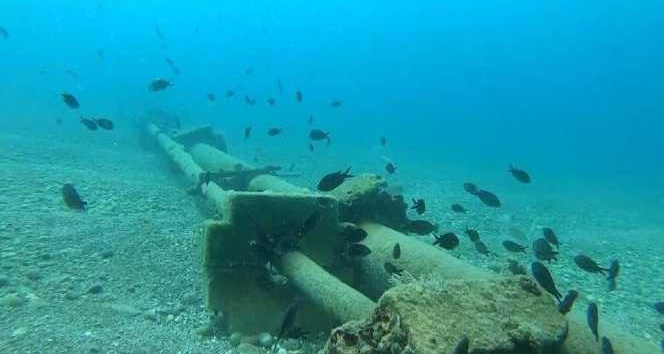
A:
x: 333, y: 177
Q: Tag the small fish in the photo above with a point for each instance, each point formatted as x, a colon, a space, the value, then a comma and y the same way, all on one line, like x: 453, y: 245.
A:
x: 248, y: 71
x: 4, y: 33
x: 383, y: 141
x: 544, y: 279
x: 448, y: 241
x: 89, y: 123
x: 390, y: 168
x: 543, y: 250
x: 274, y: 131
x: 517, y: 233
x: 333, y: 180
x: 473, y: 234
x: 70, y: 100
x: 247, y: 132
x: 158, y: 32
x: 310, y: 223
x: 568, y: 301
x: 661, y: 327
x: 311, y: 147
x: 286, y: 323
x: 271, y: 101
x: 419, y: 206
x: 73, y: 74
x: 318, y: 135
x: 396, y: 251
x: 211, y: 97
x: 158, y: 84
x: 470, y: 188
x: 298, y: 96
x: 614, y: 271
x: 488, y: 198
x: 589, y: 265
x: 482, y: 248
x: 421, y: 227
x: 230, y: 93
x: 520, y: 175
x: 457, y: 208
x: 72, y: 198
x: 171, y: 64
x: 607, y: 348
x: 592, y: 316
x: 659, y: 307
x: 58, y: 121
x: 104, y: 123
x: 353, y: 234
x: 100, y: 53
x: 462, y: 346
x: 391, y: 269
x: 280, y: 87
x: 310, y: 120
x: 249, y: 101
x: 335, y: 104
x: 514, y: 247
x: 516, y: 268
x: 550, y: 236
x: 356, y: 250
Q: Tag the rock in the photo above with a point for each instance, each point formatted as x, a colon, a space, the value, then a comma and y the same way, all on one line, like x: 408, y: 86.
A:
x: 246, y: 348
x: 126, y: 309
x: 498, y: 316
x: 95, y: 289
x: 264, y: 340
x: 235, y: 339
x: 106, y: 254
x: 4, y: 280
x: 11, y: 300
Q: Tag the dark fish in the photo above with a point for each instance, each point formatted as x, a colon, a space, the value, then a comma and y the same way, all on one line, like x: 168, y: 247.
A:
x: 383, y: 141
x: 335, y: 104
x: 661, y: 327
x: 230, y: 93
x: 544, y: 279
x: 248, y: 71
x: 211, y: 97
x: 333, y: 180
x: 274, y: 131
x: 298, y: 96
x: 419, y: 206
x: 543, y: 250
x: 249, y: 101
x: 158, y: 32
x: 310, y: 223
x: 318, y: 135
x: 592, y: 315
x: 287, y: 322
x: 353, y: 234
x: 514, y: 247
x: 448, y: 241
x: 457, y: 208
x: 157, y: 85
x: 89, y: 123
x: 565, y: 306
x: 481, y: 248
x: 473, y: 234
x: 421, y: 227
x: 58, y: 121
x: 4, y: 33
x: 72, y: 198
x: 659, y: 307
x: 607, y: 348
x: 516, y: 268
x: 73, y: 74
x: 550, y: 236
x: 390, y: 168
x: 357, y: 250
x: 589, y: 265
x: 171, y: 64
x: 311, y: 120
x: 247, y: 133
x: 488, y: 198
x: 462, y: 347
x: 614, y: 271
x: 100, y: 53
x: 104, y: 123
x: 391, y: 269
x: 311, y: 147
x: 396, y: 251
x: 470, y: 188
x: 70, y: 100
x: 280, y: 87
x: 520, y: 175
x: 271, y: 101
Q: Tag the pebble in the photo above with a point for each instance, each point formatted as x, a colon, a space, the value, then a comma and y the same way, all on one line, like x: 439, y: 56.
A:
x: 264, y: 340
x: 235, y: 339
x: 95, y: 289
x: 11, y: 300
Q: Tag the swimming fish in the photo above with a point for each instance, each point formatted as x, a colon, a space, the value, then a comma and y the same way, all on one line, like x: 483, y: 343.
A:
x: 89, y: 123
x: 589, y: 265
x: 614, y: 271
x: 544, y: 279
x: 286, y: 323
x: 104, y: 123
x: 211, y: 97
x: 230, y: 93
x: 607, y: 348
x: 396, y: 251
x: 70, y: 100
x: 280, y: 87
x: 421, y: 227
x: 448, y: 241
x: 488, y: 198
x: 514, y: 247
x: 310, y: 223
x: 383, y: 141
x: 419, y: 206
x: 470, y: 188
x: 592, y: 316
x: 353, y: 234
x: 310, y: 120
x: 73, y: 74
x: 249, y: 101
x: 247, y: 133
x: 4, y: 33
x: 659, y: 307
x: 473, y: 234
x: 516, y: 268
x: 271, y: 101
x: 543, y: 250
x: 274, y: 131
x: 458, y: 208
x: 248, y: 71
x: 298, y: 96
x: 357, y: 250
x: 391, y: 269
x: 158, y: 84
x: 318, y: 135
x: 520, y: 175
x: 71, y: 197
x: 482, y: 248
x: 335, y: 104
x: 171, y: 64
x: 333, y: 180
x: 462, y: 346
x: 311, y: 147
x: 550, y: 236
x: 390, y: 168
x: 568, y: 301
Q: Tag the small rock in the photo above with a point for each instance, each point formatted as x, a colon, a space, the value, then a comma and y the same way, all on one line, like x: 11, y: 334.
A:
x: 33, y: 275
x: 11, y: 300
x: 264, y: 340
x: 150, y: 315
x: 4, y: 280
x: 95, y: 289
x: 72, y: 295
x: 206, y: 330
x: 107, y: 254
x: 235, y: 339
x: 126, y: 309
